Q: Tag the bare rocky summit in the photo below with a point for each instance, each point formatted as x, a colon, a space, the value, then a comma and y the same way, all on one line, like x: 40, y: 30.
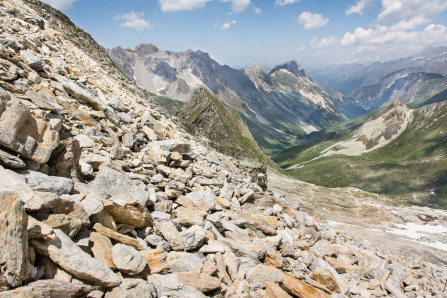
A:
x: 102, y: 195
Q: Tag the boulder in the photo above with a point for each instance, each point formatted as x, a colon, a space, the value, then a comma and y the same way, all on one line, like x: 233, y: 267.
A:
x: 64, y: 160
x: 325, y: 277
x: 14, y: 262
x: 174, y: 145
x: 202, y: 282
x: 32, y: 60
x: 41, y: 182
x: 113, y: 183
x: 11, y: 161
x: 184, y: 262
x: 193, y: 238
x: 117, y: 236
x: 102, y: 249
x: 32, y: 137
x: 132, y: 287
x: 64, y: 252
x: 275, y: 291
x: 50, y: 288
x: 198, y: 200
x: 132, y: 214
x: 260, y: 274
x: 127, y: 259
x: 169, y: 285
x: 171, y: 234
x: 156, y: 260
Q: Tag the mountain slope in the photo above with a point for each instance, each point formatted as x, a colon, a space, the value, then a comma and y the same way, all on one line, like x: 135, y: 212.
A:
x: 276, y: 106
x: 205, y: 115
x: 399, y: 152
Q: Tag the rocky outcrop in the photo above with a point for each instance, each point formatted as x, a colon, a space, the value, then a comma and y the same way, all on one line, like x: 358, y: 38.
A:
x: 152, y: 216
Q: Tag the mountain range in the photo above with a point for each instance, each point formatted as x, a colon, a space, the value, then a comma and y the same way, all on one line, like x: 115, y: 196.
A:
x: 408, y: 79
x: 277, y: 106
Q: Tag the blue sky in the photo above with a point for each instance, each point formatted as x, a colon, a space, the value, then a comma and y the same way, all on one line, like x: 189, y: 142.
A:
x: 267, y: 32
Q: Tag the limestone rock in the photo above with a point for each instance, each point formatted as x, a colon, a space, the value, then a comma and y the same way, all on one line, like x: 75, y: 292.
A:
x: 117, y: 236
x: 127, y: 259
x: 198, y: 200
x: 296, y: 287
x: 135, y: 215
x: 33, y: 137
x: 64, y: 160
x: 193, y: 238
x: 114, y: 183
x: 184, y: 262
x: 202, y: 282
x: 275, y: 291
x: 260, y: 274
x: 169, y: 285
x: 64, y: 252
x: 11, y: 161
x: 31, y: 60
x: 54, y: 184
x: 50, y: 288
x: 174, y: 145
x: 14, y: 261
x: 156, y: 260
x: 132, y: 287
x: 171, y: 234
x: 102, y: 249
x: 326, y: 278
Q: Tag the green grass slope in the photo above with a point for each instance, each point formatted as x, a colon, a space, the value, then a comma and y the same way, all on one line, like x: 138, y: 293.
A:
x: 411, y: 168
x: 207, y: 116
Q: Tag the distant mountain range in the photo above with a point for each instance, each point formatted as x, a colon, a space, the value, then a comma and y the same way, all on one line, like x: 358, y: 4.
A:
x: 409, y: 79
x: 277, y: 106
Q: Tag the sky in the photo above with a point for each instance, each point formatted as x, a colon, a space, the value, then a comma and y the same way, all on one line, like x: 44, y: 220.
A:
x: 267, y: 32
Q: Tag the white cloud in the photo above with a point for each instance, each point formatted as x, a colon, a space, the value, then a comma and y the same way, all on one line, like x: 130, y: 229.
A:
x: 312, y: 20
x: 257, y: 10
x: 409, y: 9
x: 238, y: 5
x: 431, y: 35
x: 228, y: 24
x: 360, y: 6
x: 284, y: 2
x: 64, y: 5
x: 177, y: 5
x: 322, y: 42
x: 133, y: 20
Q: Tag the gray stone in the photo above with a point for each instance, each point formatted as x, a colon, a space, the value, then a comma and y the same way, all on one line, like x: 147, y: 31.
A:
x: 171, y: 234
x: 133, y: 287
x: 260, y: 274
x: 114, y: 183
x: 184, y: 262
x: 198, y: 200
x: 64, y: 252
x: 161, y: 215
x: 43, y: 100
x: 50, y: 288
x: 33, y: 137
x: 86, y: 169
x: 153, y: 239
x: 193, y: 238
x: 174, y: 146
x: 127, y: 259
x: 45, y: 183
x: 14, y: 262
x: 85, y: 141
x: 32, y: 60
x: 11, y: 161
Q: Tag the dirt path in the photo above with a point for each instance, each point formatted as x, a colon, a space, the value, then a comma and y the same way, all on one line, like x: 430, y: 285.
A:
x: 394, y: 230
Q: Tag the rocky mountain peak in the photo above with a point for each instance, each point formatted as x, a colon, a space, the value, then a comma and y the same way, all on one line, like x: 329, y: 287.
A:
x: 146, y: 49
x: 291, y: 66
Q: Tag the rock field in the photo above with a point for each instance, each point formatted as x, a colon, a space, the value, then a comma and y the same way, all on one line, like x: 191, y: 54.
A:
x: 102, y: 195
